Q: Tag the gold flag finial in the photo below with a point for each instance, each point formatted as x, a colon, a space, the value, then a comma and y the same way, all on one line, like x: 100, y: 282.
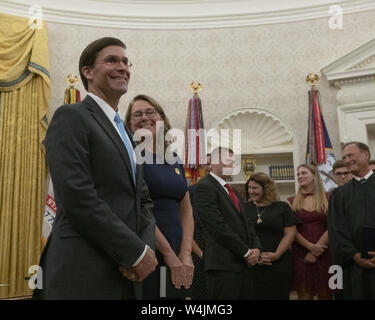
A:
x: 313, y: 78
x: 71, y: 79
x: 195, y: 86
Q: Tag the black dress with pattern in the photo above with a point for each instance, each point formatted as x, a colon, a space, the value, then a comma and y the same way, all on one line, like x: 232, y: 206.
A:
x: 272, y: 282
x: 167, y: 186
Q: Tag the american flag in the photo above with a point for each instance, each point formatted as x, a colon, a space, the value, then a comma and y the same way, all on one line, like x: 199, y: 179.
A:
x: 195, y: 145
x: 72, y: 95
x: 319, y: 148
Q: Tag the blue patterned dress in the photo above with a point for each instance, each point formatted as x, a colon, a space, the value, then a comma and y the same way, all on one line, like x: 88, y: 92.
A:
x: 167, y: 186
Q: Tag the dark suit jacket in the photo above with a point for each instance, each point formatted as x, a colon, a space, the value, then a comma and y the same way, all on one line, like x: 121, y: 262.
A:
x: 228, y: 233
x: 103, y: 220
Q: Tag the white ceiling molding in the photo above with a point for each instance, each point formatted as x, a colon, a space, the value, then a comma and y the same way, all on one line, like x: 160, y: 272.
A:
x: 183, y: 14
x: 356, y: 66
x: 354, y: 76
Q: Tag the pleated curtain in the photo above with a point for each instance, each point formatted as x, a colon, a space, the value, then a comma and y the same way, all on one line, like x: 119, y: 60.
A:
x: 24, y: 96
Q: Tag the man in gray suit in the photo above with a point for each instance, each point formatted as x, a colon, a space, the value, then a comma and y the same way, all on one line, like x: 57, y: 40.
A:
x: 102, y: 239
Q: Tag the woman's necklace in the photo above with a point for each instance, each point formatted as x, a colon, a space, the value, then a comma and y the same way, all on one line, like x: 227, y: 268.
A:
x: 305, y: 195
x: 260, y: 214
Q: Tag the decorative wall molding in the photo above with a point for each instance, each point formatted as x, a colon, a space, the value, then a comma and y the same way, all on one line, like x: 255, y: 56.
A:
x: 369, y: 62
x: 356, y: 66
x: 354, y: 76
x: 354, y: 121
x: 356, y: 92
x: 168, y: 14
x: 261, y: 131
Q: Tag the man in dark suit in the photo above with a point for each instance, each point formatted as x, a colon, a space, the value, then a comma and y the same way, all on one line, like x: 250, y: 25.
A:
x: 231, y: 245
x: 104, y: 230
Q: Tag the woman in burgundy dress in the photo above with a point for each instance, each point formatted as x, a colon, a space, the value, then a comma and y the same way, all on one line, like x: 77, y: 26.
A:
x: 311, y: 257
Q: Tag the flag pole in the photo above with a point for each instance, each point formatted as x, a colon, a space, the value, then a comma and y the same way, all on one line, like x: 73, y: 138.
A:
x: 195, y: 87
x: 313, y: 78
x: 194, y: 137
x: 319, y: 150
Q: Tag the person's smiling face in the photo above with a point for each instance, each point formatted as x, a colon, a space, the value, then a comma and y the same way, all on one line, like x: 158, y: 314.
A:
x: 356, y: 160
x: 109, y: 77
x: 255, y: 191
x: 144, y: 116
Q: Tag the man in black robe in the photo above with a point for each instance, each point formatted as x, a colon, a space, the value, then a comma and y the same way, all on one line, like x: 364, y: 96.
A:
x: 351, y: 207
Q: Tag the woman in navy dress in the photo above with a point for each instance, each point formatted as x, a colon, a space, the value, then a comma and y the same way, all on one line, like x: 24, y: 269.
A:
x: 169, y: 192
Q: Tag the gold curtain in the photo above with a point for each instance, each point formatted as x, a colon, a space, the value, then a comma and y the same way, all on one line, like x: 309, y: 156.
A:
x: 24, y: 95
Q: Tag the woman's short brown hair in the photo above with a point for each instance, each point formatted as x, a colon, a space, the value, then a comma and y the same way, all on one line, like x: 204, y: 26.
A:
x: 158, y: 108
x: 270, y: 193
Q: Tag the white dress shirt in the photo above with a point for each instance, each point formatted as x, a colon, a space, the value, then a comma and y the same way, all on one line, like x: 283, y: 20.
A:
x: 221, y: 181
x: 109, y: 112
x: 368, y: 175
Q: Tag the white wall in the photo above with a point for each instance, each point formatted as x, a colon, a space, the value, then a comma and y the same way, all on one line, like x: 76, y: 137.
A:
x: 255, y: 67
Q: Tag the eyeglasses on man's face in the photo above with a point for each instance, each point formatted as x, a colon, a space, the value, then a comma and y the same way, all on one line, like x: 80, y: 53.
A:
x: 115, y: 60
x: 150, y: 113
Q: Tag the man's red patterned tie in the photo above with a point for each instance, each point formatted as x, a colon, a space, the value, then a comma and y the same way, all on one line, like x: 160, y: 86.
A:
x: 233, y: 196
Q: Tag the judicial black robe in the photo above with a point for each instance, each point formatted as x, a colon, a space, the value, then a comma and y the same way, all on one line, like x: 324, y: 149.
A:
x: 350, y: 207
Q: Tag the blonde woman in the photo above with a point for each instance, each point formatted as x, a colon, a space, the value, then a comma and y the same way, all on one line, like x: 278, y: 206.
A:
x: 274, y: 224
x: 311, y: 258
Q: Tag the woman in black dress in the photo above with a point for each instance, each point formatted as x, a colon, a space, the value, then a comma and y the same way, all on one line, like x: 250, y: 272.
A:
x: 274, y: 224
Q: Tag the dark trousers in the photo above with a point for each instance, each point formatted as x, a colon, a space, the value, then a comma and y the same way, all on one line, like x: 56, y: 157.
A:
x: 229, y: 285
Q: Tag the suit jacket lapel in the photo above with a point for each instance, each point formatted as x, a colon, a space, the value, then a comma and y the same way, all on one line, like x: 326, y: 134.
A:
x: 107, y: 126
x: 221, y: 189
x: 138, y: 167
x: 240, y: 214
x: 243, y: 215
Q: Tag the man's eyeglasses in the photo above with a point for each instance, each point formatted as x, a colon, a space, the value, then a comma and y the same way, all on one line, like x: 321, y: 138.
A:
x: 150, y: 113
x: 342, y: 173
x: 114, y: 60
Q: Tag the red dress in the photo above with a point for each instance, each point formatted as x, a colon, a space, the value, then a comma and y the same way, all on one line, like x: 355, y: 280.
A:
x: 311, y: 278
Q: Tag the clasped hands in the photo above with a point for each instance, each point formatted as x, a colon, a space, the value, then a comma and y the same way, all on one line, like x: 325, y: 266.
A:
x: 266, y: 258
x: 253, y: 257
x: 365, y: 263
x: 263, y: 259
x: 142, y: 269
x: 315, y: 251
x: 181, y: 268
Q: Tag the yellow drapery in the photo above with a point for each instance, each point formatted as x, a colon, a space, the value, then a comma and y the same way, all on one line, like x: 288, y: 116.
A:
x: 24, y: 95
